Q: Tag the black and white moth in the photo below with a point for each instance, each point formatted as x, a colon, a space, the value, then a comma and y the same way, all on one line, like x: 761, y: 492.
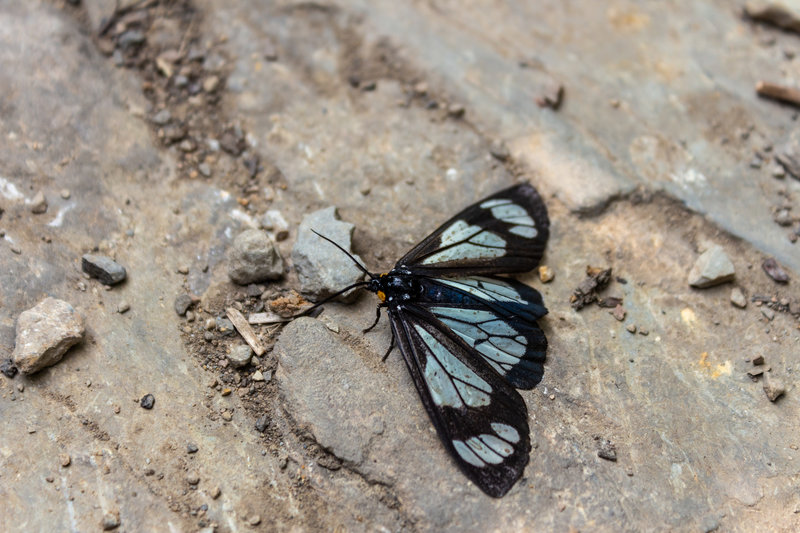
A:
x: 470, y: 338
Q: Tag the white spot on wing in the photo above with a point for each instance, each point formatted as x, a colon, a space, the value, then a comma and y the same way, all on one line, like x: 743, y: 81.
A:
x: 440, y: 386
x: 493, y: 203
x: 527, y: 232
x: 457, y: 232
x: 483, y: 451
x: 489, y: 289
x: 467, y: 454
x: 502, y: 212
x: 499, y: 446
x: 473, y: 389
x: 506, y: 432
x: 487, y: 238
x: 464, y: 251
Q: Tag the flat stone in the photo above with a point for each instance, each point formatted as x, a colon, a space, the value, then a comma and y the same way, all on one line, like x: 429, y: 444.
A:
x: 322, y: 268
x: 711, y: 268
x: 44, y: 333
x: 105, y: 269
x: 253, y: 258
x: 774, y: 270
x: 240, y: 355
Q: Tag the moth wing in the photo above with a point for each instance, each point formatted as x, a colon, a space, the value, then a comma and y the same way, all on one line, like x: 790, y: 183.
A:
x: 480, y: 418
x: 504, y: 233
x: 496, y: 317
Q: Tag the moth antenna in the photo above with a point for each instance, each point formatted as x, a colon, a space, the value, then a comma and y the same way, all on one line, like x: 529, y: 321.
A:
x: 329, y: 298
x: 353, y: 259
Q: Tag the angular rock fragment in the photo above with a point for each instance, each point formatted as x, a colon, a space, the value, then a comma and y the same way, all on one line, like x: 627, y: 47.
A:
x: 783, y: 16
x: 322, y: 268
x: 737, y: 298
x: 273, y: 221
x: 182, y: 303
x: 39, y: 204
x: 773, y: 386
x: 253, y: 258
x: 44, y: 333
x: 8, y: 369
x: 105, y: 269
x: 147, y: 401
x: 711, y: 268
x: 774, y: 270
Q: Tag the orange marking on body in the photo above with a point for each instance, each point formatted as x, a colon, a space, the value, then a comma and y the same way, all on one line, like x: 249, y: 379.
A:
x: 382, y: 296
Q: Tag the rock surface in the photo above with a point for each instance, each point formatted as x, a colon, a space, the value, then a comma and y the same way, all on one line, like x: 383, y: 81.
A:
x: 105, y: 269
x: 44, y: 334
x: 253, y: 258
x: 711, y: 268
x: 322, y: 268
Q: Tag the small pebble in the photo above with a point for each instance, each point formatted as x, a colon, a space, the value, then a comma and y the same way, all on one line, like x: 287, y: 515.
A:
x: 631, y: 328
x: 123, y: 307
x: 619, y: 313
x: 546, y: 274
x: 148, y: 401
x: 65, y: 194
x: 643, y: 332
x: 110, y: 521
x: 226, y: 391
x: 758, y: 360
x: 191, y: 448
x: 215, y: 492
x: 768, y: 313
x: 455, y: 110
x: 49, y: 479
x: 258, y: 376
x: 773, y: 386
x: 210, y: 324
x: 210, y: 84
x: 227, y: 416
x: 65, y: 459
x: 737, y: 298
x: 39, y: 204
x: 182, y: 304
x: 254, y: 520
x: 262, y: 423
x: 774, y: 270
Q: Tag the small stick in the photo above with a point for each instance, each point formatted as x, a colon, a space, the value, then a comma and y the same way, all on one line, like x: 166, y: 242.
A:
x: 778, y: 92
x: 244, y: 329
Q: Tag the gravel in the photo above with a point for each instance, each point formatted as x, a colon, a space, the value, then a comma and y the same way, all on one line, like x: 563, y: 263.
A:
x: 240, y: 355
x: 147, y: 401
x: 737, y: 298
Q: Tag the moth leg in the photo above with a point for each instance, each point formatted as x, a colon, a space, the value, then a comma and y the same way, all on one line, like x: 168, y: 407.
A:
x: 377, y: 318
x: 391, y: 347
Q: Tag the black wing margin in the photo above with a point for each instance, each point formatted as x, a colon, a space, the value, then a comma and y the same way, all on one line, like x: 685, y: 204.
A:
x: 480, y: 418
x: 504, y: 233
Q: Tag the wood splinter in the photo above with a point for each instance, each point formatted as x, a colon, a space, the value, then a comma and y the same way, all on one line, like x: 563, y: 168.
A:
x: 244, y: 329
x: 778, y: 92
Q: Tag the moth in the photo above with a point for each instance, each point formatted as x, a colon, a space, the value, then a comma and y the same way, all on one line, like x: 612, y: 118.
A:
x: 469, y: 337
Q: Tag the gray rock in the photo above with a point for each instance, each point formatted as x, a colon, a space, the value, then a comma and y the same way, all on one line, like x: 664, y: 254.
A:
x: 182, y: 303
x: 254, y: 258
x: 105, y: 269
x: 737, y: 298
x: 322, y: 268
x: 788, y: 155
x: 335, y: 413
x: 773, y: 386
x: 712, y: 268
x: 240, y: 355
x: 44, y: 333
